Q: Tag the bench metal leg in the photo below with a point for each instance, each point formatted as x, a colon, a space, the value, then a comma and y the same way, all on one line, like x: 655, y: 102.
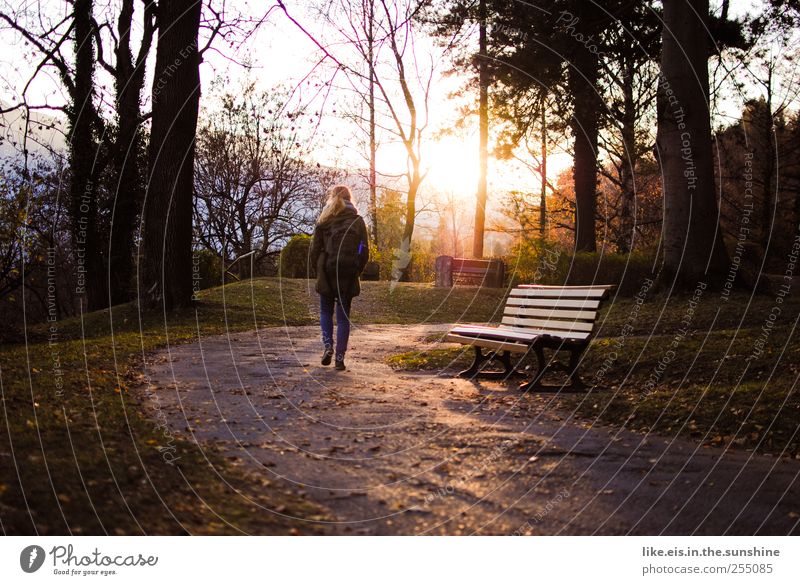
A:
x: 574, y: 376
x: 540, y: 370
x: 481, y: 358
x: 505, y: 359
x: 539, y: 350
x: 575, y: 382
x: 476, y: 364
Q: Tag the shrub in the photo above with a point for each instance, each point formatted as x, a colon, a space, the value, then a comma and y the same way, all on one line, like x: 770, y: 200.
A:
x: 294, y: 261
x: 534, y: 262
x: 384, y: 259
x: 628, y: 272
x: 421, y: 268
x: 206, y: 269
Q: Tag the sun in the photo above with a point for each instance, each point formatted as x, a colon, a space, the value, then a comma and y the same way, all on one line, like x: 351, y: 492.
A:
x: 453, y: 166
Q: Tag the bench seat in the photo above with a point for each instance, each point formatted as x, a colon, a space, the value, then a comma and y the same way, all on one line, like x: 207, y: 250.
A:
x: 516, y: 333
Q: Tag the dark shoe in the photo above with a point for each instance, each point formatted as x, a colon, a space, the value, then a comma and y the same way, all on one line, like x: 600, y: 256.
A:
x: 340, y: 365
x: 327, y: 356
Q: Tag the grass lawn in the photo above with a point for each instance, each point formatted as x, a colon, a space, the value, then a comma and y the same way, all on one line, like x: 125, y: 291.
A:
x: 77, y: 453
x: 728, y: 379
x: 415, y: 303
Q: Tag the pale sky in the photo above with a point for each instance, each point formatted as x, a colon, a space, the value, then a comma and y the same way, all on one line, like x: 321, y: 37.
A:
x: 280, y: 54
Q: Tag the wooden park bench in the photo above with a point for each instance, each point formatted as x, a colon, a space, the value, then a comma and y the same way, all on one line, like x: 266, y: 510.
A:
x: 450, y: 270
x: 535, y: 318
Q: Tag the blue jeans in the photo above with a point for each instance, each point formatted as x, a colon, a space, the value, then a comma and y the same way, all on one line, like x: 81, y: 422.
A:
x: 326, y: 305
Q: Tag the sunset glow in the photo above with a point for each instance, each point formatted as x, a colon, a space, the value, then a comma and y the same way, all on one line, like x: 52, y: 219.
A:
x: 453, y: 165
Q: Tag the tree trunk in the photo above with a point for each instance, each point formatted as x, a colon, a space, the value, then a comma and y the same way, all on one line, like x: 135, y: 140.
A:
x: 127, y: 157
x: 247, y: 246
x: 583, y: 86
x: 693, y: 246
x: 630, y: 154
x: 769, y: 145
x: 373, y: 146
x: 167, y: 242
x: 483, y: 132
x: 543, y: 170
x: 401, y: 269
x: 83, y: 164
x: 454, y: 228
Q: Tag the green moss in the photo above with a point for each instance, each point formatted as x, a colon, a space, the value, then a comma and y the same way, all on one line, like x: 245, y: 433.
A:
x: 432, y: 359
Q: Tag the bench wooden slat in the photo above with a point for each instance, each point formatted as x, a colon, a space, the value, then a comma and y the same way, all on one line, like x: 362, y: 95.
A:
x: 547, y: 313
x: 569, y: 287
x: 556, y: 303
x: 502, y: 332
x: 488, y: 343
x: 474, y: 262
x: 518, y: 333
x: 548, y: 324
x: 560, y: 293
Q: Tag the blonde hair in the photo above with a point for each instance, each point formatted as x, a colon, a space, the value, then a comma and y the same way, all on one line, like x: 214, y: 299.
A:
x: 338, y: 195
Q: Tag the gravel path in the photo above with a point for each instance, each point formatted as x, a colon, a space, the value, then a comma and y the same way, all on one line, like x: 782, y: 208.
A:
x: 386, y: 452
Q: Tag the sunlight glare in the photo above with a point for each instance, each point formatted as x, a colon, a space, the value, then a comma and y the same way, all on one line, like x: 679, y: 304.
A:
x: 453, y: 165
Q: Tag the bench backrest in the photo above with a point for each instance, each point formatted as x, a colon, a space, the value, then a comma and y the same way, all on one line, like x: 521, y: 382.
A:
x: 563, y: 311
x: 489, y: 273
x: 464, y: 264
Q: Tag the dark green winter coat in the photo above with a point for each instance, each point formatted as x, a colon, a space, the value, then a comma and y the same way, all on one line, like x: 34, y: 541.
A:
x: 332, y: 281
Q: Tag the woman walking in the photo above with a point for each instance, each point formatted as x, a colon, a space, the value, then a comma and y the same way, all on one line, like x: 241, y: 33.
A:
x: 340, y: 250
